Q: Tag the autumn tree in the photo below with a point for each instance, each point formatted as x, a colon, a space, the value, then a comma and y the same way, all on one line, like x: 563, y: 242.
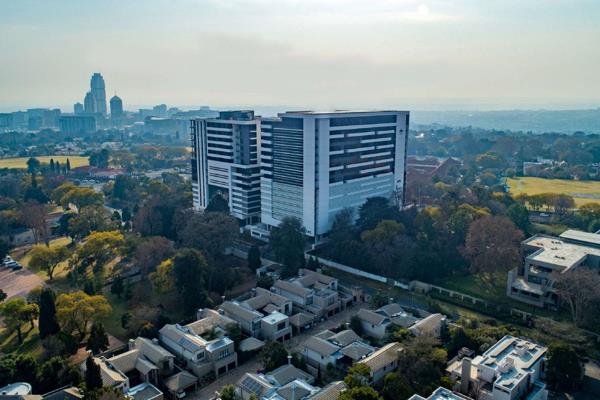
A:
x: 98, y: 249
x: 16, y: 312
x: 493, y: 245
x: 76, y: 310
x: 578, y: 289
x: 151, y: 252
x: 92, y: 218
x: 33, y: 215
x: 47, y: 258
x: 210, y: 232
x: 163, y: 279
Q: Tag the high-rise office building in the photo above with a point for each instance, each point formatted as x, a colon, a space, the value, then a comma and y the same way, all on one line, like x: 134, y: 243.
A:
x: 160, y: 111
x: 116, y: 110
x: 315, y: 164
x: 78, y: 108
x: 89, y: 103
x: 225, y: 160
x: 99, y: 92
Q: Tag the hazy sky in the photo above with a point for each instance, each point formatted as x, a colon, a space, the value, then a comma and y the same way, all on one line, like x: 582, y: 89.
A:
x: 303, y: 53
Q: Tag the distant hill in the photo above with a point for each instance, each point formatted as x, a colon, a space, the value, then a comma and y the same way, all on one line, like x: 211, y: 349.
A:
x: 538, y: 121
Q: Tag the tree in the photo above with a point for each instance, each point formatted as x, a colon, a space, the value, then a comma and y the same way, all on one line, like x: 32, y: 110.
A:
x: 273, y: 355
x: 76, y: 310
x: 217, y: 204
x: 68, y: 165
x: 254, y: 261
x: 422, y: 363
x: 99, y: 248
x: 358, y: 375
x: 99, y: 158
x: 47, y: 258
x: 117, y: 286
x: 151, y: 252
x: 190, y: 271
x: 396, y: 386
x: 287, y: 241
x: 491, y: 239
x: 98, y: 339
x: 92, y: 218
x: 4, y: 248
x: 228, y: 393
x: 210, y: 232
x: 47, y: 324
x: 162, y: 279
x: 3, y: 295
x: 360, y: 393
x: 33, y: 215
x: 579, y: 290
x: 519, y: 215
x: 17, y: 312
x: 564, y: 369
x: 33, y: 165
x: 562, y: 204
x: 93, y: 379
x: 56, y: 372
x: 375, y: 210
x: 79, y: 196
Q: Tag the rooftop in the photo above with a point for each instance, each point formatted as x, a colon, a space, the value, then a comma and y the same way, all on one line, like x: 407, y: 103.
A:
x: 336, y: 112
x: 441, y: 394
x: 144, y: 391
x: 591, y: 239
x: 383, y: 356
x: 274, y: 318
x: 559, y: 252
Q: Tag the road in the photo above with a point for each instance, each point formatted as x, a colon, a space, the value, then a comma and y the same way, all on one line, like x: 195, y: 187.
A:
x: 293, y: 345
x: 18, y: 283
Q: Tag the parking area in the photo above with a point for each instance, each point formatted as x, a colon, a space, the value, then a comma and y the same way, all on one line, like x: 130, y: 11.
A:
x: 18, y: 283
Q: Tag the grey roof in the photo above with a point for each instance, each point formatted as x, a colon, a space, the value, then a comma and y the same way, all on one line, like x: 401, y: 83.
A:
x: 344, y: 338
x: 329, y: 392
x: 320, y: 346
x: 371, y: 317
x: 357, y: 350
x: 288, y: 373
x: 211, y: 320
x: 144, y: 391
x: 580, y: 236
x: 255, y: 384
x: 301, y: 319
x: 390, y: 309
x: 180, y: 381
x: 183, y: 338
x: 152, y: 351
x: 236, y: 310
x: 250, y: 344
x: 295, y: 390
x: 292, y: 288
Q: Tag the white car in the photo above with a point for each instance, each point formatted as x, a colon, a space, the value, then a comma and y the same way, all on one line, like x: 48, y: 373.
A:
x: 180, y: 395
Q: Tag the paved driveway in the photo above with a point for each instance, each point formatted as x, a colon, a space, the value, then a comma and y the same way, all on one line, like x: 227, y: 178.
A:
x: 18, y: 283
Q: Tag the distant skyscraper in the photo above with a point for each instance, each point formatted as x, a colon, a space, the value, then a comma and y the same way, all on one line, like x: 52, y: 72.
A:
x: 99, y: 92
x: 160, y: 110
x: 116, y: 109
x: 78, y: 108
x: 89, y: 103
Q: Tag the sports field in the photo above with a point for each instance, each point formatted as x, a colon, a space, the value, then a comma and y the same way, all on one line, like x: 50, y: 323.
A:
x: 582, y: 191
x: 21, y: 162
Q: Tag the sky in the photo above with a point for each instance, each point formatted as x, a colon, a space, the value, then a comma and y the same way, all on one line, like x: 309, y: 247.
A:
x: 406, y: 54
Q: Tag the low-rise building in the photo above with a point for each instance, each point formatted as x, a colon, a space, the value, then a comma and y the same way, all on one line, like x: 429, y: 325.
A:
x: 284, y: 383
x: 340, y: 349
x: 546, y: 255
x: 373, y: 324
x: 441, y: 394
x: 382, y: 362
x: 511, y: 369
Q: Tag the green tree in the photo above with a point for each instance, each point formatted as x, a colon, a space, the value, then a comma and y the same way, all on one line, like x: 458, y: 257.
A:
x: 519, y: 215
x: 190, y: 271
x: 356, y: 325
x: 358, y: 375
x: 17, y: 312
x: 163, y: 280
x: 4, y: 248
x: 217, y: 204
x: 151, y: 251
x: 273, y: 355
x: 47, y: 324
x: 396, y: 386
x: 92, y: 218
x: 375, y: 210
x: 99, y: 248
x: 47, y: 259
x: 93, y: 379
x: 360, y: 393
x: 98, y: 339
x: 33, y: 165
x: 211, y: 233
x: 564, y: 369
x: 254, y: 261
x: 56, y: 372
x: 287, y: 241
x: 117, y: 286
x: 76, y: 310
x: 228, y: 393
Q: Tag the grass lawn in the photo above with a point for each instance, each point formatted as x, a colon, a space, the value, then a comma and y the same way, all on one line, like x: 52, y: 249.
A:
x: 21, y: 162
x: 582, y: 191
x: 31, y: 346
x: 475, y: 286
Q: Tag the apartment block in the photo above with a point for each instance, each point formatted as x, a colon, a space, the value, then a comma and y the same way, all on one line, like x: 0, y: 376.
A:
x: 225, y: 161
x: 314, y: 164
x: 511, y: 369
x: 546, y: 255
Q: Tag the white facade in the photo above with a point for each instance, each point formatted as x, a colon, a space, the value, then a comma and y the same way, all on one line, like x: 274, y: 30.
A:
x: 316, y: 164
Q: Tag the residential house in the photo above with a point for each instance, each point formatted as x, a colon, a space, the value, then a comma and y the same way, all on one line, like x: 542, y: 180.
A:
x: 373, y: 324
x: 441, y: 394
x: 201, y: 356
x: 248, y: 319
x: 432, y: 325
x: 273, y: 326
x: 509, y: 370
x: 547, y: 255
x: 382, y: 362
x: 276, y: 327
x: 284, y: 383
x: 340, y: 349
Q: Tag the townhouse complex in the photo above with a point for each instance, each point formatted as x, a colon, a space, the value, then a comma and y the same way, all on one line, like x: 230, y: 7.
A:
x: 547, y: 255
x: 303, y: 164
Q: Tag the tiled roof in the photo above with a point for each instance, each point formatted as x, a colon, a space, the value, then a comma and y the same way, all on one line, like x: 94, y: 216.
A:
x: 288, y: 373
x: 384, y: 356
x: 180, y: 381
x: 320, y: 346
x: 238, y: 311
x: 371, y: 317
x: 152, y: 351
x: 330, y: 392
x: 345, y: 337
x: 292, y: 288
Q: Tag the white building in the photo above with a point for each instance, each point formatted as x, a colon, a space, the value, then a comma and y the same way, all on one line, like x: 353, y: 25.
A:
x: 511, y: 369
x: 225, y: 161
x: 314, y: 164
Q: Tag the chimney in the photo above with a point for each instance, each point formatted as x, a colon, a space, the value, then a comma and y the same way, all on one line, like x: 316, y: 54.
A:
x: 199, y: 314
x: 155, y: 341
x: 289, y: 358
x: 465, y: 375
x: 131, y: 344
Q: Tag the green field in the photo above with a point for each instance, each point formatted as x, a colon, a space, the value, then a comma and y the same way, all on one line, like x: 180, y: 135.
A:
x: 582, y: 191
x: 21, y: 162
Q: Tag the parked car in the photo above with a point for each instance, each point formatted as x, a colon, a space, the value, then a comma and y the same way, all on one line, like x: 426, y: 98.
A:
x: 13, y: 265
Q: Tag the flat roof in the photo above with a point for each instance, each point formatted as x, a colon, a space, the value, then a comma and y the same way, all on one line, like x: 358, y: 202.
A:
x: 555, y: 251
x: 336, y: 112
x: 586, y: 237
x: 275, y: 317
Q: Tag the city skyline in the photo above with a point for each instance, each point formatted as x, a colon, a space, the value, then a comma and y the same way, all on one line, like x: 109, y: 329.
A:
x: 342, y: 54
